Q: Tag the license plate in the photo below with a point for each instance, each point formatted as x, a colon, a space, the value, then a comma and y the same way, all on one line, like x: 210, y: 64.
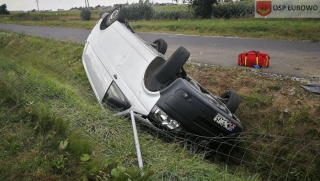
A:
x: 224, y: 122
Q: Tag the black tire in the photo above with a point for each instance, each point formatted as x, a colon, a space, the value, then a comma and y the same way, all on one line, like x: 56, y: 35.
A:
x: 232, y: 100
x: 119, y: 13
x: 161, y: 45
x: 173, y: 65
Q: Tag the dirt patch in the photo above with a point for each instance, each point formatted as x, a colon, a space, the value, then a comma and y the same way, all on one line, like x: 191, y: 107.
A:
x: 271, y: 103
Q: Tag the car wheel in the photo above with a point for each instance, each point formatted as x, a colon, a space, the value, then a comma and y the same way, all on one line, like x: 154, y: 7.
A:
x: 119, y: 13
x: 232, y: 100
x: 161, y: 45
x: 173, y: 65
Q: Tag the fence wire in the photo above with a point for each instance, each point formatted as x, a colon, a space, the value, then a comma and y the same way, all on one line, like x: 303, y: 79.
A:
x: 273, y: 157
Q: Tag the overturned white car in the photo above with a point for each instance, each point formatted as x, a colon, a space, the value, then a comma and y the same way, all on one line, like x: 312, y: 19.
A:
x: 128, y: 73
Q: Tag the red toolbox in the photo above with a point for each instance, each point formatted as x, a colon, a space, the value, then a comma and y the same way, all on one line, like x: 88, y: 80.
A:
x: 252, y: 58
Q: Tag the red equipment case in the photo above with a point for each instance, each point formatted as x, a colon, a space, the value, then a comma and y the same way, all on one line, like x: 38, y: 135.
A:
x: 252, y: 58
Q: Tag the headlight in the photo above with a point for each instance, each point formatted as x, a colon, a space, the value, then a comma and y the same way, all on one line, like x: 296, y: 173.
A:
x: 159, y: 115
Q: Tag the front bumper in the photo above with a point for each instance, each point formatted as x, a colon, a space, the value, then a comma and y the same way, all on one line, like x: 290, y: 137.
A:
x: 196, y: 114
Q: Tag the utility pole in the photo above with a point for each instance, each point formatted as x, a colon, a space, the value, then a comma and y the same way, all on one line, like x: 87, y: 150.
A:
x: 37, y: 4
x: 87, y: 3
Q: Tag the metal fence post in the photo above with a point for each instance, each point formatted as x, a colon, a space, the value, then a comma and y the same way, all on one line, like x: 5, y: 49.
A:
x: 136, y: 140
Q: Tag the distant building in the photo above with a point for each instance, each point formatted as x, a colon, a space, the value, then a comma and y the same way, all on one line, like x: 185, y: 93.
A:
x: 61, y: 10
x: 102, y: 7
x: 18, y: 11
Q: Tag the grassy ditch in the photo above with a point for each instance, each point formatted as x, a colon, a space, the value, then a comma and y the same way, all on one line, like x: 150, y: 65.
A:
x: 274, y: 105
x: 281, y: 121
x: 53, y: 129
x: 281, y: 29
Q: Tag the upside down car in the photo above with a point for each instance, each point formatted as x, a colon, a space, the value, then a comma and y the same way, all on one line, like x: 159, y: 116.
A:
x: 127, y: 73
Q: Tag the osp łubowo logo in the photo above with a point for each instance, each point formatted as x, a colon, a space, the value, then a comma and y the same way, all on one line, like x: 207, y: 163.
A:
x: 263, y: 8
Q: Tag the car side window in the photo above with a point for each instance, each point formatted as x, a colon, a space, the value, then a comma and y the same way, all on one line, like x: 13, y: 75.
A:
x: 115, y: 99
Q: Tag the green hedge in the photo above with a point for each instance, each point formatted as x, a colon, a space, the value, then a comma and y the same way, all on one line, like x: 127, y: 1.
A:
x: 85, y: 14
x: 233, y: 10
x: 139, y: 12
x: 33, y: 17
x: 173, y: 14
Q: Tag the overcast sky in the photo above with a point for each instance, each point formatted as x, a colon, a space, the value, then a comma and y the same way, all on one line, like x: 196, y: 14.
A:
x: 25, y: 5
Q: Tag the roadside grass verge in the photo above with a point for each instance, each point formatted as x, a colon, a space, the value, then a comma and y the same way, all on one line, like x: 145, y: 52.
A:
x: 280, y: 119
x: 279, y: 29
x: 53, y: 129
x: 271, y: 104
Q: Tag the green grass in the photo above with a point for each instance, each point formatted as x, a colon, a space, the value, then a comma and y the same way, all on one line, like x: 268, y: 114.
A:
x: 174, y: 7
x: 279, y: 29
x: 270, y: 106
x: 282, y: 29
x: 52, y: 128
x: 44, y: 86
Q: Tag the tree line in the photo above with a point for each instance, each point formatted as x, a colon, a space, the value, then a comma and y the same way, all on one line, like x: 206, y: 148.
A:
x: 3, y: 9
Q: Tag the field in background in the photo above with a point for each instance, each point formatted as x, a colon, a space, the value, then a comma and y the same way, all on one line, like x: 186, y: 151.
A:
x: 276, y: 29
x: 281, y: 29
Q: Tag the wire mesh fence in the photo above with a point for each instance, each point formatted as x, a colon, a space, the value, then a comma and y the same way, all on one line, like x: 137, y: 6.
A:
x: 42, y: 73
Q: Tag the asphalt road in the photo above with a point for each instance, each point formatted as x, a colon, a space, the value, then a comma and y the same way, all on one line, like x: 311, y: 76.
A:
x: 292, y: 58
